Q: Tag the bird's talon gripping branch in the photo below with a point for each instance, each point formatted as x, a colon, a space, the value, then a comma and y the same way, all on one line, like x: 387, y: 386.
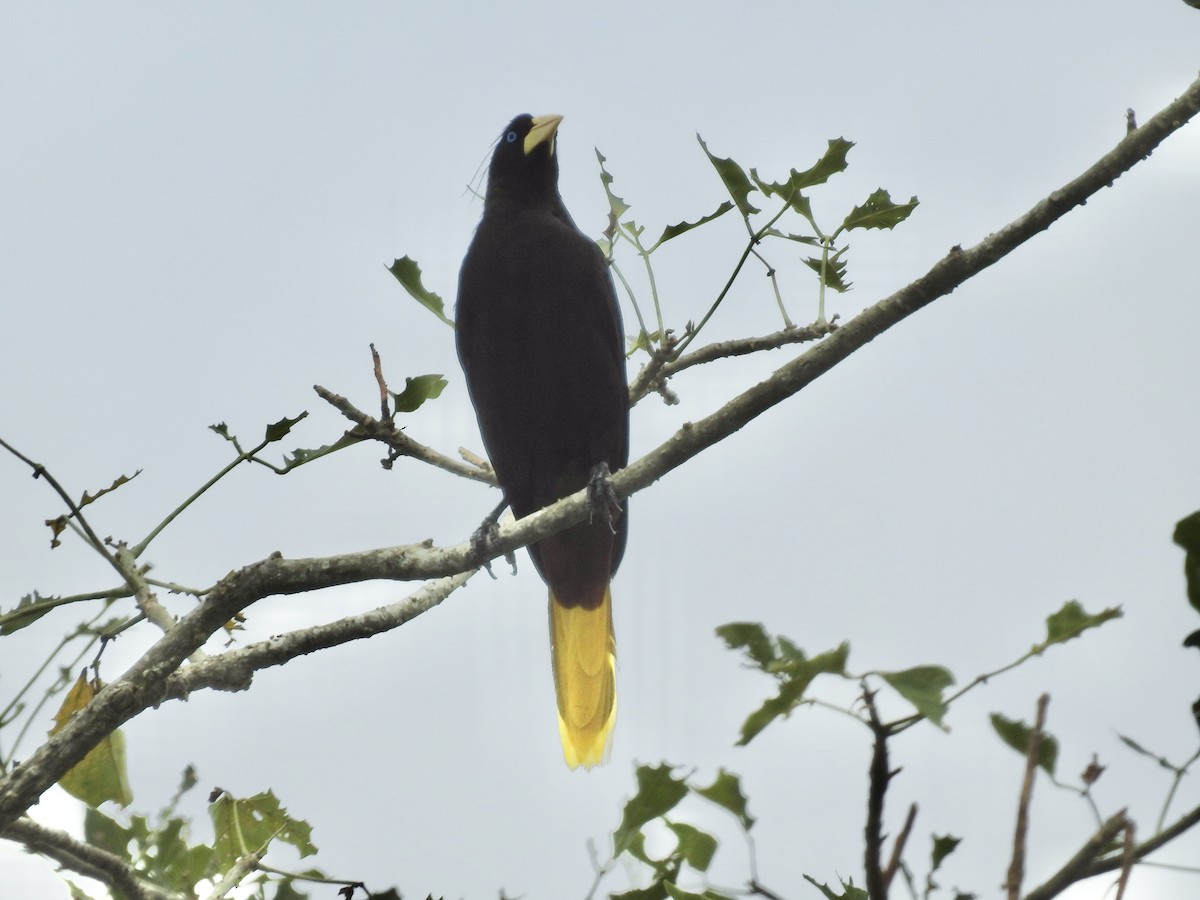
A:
x: 484, y: 538
x: 602, y: 498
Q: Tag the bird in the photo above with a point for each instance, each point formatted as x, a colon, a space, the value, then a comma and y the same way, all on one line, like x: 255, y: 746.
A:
x: 540, y: 340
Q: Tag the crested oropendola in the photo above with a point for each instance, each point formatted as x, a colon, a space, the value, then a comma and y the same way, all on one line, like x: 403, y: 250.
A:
x: 541, y: 343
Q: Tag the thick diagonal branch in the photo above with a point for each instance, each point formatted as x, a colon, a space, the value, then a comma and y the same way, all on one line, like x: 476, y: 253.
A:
x: 144, y: 684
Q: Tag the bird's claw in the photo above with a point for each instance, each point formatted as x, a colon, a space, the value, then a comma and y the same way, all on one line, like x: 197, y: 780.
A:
x: 602, y: 498
x: 483, y: 539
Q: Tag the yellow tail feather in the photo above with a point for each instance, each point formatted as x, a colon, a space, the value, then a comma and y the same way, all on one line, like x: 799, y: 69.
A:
x: 584, y: 654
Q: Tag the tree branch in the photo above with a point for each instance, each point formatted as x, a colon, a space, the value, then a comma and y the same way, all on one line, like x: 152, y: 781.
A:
x: 1016, y: 869
x: 144, y: 684
x: 84, y: 859
x: 234, y: 669
x: 1079, y: 866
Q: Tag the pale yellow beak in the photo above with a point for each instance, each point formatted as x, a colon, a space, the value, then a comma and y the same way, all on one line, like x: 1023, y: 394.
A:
x: 544, y: 128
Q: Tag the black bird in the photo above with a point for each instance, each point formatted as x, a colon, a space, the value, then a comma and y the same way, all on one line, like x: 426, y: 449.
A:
x: 540, y: 340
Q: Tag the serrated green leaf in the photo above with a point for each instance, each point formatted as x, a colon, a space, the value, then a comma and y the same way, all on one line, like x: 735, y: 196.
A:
x: 28, y: 610
x: 879, y: 211
x: 1016, y: 734
x: 943, y: 846
x: 120, y: 480
x: 1071, y: 621
x: 851, y: 892
x: 249, y: 826
x: 726, y: 791
x: 749, y: 637
x: 674, y: 231
x: 300, y: 456
x: 923, y: 686
x: 277, y: 431
x: 811, y: 240
x: 796, y: 674
x: 830, y: 163
x: 617, y: 207
x: 695, y: 846
x: 1187, y: 536
x: 101, y: 775
x: 734, y: 179
x: 417, y: 390
x: 834, y: 270
x: 222, y: 429
x: 658, y: 793
x: 408, y: 273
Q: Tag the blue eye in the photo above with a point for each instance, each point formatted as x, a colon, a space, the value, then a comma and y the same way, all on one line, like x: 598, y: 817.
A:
x: 511, y: 136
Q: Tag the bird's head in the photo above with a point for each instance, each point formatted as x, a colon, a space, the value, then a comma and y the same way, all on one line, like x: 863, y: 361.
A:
x: 524, y: 164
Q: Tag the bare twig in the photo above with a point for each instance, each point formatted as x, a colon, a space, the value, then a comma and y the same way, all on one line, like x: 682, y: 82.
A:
x: 1016, y: 869
x: 893, y: 865
x: 400, y: 443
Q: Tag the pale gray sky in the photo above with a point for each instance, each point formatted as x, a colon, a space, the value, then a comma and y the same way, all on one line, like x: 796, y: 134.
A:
x: 197, y: 202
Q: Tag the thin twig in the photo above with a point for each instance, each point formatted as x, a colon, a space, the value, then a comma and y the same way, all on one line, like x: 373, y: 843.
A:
x: 898, y: 848
x: 1016, y: 869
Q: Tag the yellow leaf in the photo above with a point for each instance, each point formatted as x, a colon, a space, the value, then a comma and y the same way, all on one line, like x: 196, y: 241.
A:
x: 101, y: 775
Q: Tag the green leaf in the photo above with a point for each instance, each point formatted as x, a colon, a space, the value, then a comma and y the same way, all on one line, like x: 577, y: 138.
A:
x: 750, y: 637
x: 658, y: 793
x: 249, y: 826
x: 1138, y: 748
x: 1071, y: 621
x: 674, y: 231
x: 879, y: 211
x: 811, y: 240
x: 1187, y: 536
x: 735, y: 180
x: 852, y: 892
x: 286, y: 890
x: 617, y: 207
x: 1016, y: 734
x: 832, y: 162
x: 277, y: 431
x: 417, y: 390
x: 922, y: 686
x: 835, y: 270
x: 300, y: 456
x: 726, y: 791
x: 408, y: 273
x: 92, y: 498
x: 654, y: 891
x: 28, y: 610
x: 102, y: 774
x: 106, y: 833
x: 695, y: 846
x: 222, y: 429
x: 943, y: 846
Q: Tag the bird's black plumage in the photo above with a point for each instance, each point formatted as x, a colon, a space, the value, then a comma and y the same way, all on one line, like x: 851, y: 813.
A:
x: 541, y: 343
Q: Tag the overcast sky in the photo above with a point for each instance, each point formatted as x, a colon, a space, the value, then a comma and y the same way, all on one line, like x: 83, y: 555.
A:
x: 197, y: 203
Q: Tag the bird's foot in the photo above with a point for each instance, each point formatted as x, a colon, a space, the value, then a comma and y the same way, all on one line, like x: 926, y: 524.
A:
x: 484, y: 539
x: 602, y: 498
